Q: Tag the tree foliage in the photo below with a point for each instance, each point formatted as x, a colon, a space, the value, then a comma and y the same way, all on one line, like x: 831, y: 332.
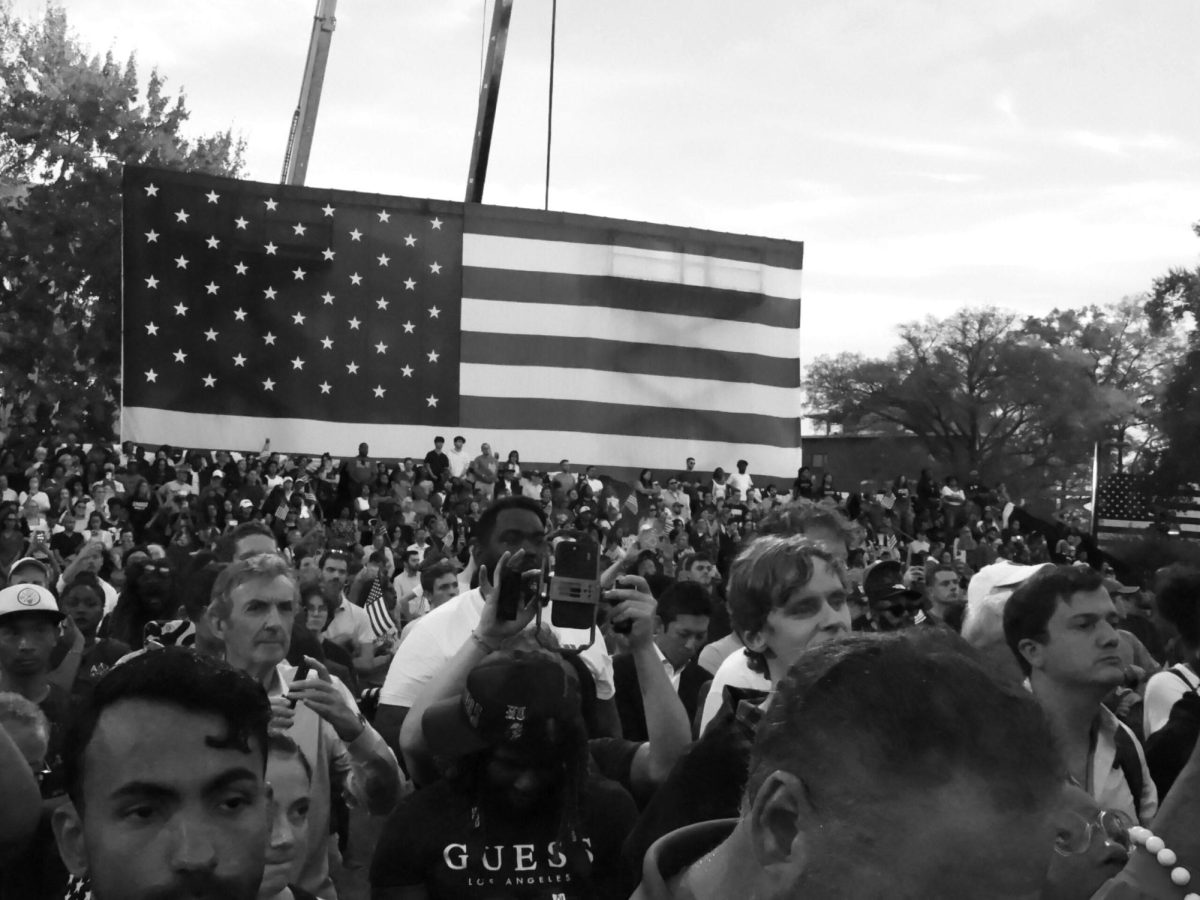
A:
x: 1130, y: 357
x: 1175, y: 301
x: 1018, y: 400
x: 69, y: 121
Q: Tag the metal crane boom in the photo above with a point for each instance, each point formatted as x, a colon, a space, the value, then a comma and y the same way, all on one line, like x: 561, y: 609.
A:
x: 304, y: 120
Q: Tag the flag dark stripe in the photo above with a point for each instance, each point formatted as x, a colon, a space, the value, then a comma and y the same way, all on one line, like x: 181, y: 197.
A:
x: 629, y: 293
x: 625, y: 419
x: 643, y: 359
x: 550, y: 226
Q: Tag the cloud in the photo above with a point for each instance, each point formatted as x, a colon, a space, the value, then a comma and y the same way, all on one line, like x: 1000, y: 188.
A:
x: 1122, y: 145
x: 951, y: 177
x: 1004, y: 105
x: 918, y: 147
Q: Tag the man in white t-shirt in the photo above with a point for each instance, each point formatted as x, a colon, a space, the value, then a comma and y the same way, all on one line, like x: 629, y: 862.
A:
x: 460, y: 460
x: 509, y: 525
x: 741, y: 479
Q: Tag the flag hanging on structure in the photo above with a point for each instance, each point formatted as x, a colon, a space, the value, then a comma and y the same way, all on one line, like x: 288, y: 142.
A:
x: 1126, y: 510
x: 322, y: 319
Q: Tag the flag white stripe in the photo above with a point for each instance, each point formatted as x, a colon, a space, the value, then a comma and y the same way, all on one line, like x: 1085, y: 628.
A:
x: 478, y: 380
x: 531, y: 255
x: 629, y: 326
x: 312, y: 437
x: 381, y: 619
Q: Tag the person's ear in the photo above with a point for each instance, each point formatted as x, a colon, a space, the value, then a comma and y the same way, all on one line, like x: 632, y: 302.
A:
x: 217, y: 625
x: 1033, y: 651
x: 68, y: 834
x: 780, y: 817
x: 659, y: 627
x: 756, y: 641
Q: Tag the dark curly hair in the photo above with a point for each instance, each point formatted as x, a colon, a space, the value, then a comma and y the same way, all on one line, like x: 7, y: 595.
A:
x: 179, y: 678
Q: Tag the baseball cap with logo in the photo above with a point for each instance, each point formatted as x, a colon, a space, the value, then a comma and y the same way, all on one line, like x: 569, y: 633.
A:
x: 28, y: 598
x: 528, y: 699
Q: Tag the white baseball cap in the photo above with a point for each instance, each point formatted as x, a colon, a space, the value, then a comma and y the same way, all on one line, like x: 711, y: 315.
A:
x: 28, y: 598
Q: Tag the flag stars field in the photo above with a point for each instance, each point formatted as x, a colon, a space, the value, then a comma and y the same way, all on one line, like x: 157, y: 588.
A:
x: 280, y: 254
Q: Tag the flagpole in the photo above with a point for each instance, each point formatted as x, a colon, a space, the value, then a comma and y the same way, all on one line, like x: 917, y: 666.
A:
x: 550, y: 103
x: 1095, y: 484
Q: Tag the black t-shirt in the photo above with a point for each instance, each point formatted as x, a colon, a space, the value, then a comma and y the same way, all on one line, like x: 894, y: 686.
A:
x: 437, y: 461
x: 66, y: 543
x: 429, y: 840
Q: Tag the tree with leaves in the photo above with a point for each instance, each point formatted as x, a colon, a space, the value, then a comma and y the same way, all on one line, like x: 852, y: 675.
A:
x: 1175, y: 301
x: 1131, y: 360
x: 69, y: 122
x: 983, y: 391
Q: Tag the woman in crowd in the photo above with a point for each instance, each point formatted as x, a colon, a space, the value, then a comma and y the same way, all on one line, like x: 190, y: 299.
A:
x: 290, y: 777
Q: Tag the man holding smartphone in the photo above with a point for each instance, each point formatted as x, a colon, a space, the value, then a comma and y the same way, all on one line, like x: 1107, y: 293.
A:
x: 509, y: 525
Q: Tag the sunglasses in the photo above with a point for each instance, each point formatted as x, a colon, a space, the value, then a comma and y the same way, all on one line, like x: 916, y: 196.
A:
x: 900, y: 609
x: 1076, y: 833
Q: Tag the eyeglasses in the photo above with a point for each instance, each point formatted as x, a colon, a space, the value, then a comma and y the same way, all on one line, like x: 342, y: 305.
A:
x: 1076, y: 833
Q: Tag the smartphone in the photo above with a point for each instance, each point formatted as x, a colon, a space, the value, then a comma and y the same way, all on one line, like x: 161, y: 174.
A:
x: 301, y: 674
x: 575, y: 584
x: 517, y: 589
x: 918, y: 558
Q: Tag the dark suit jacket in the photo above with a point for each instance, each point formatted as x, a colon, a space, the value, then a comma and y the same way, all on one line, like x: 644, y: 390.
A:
x: 629, y: 694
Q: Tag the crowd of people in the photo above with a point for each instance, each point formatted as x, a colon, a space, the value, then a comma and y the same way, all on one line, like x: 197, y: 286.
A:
x: 215, y: 666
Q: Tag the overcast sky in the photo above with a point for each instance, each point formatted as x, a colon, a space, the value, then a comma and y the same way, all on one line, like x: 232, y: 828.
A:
x: 931, y: 155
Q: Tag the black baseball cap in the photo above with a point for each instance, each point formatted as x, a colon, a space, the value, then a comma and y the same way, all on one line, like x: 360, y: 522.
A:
x: 512, y: 697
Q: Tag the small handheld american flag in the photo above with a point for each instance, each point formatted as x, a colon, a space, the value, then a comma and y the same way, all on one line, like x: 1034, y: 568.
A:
x: 376, y: 606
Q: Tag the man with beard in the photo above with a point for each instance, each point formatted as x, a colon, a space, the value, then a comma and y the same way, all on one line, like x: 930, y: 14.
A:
x: 509, y: 525
x: 165, y: 769
x: 148, y: 596
x: 518, y: 814
x: 893, y: 605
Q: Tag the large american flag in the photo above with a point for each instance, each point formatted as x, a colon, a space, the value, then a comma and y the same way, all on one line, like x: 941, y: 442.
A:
x: 322, y: 318
x: 1125, y: 509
